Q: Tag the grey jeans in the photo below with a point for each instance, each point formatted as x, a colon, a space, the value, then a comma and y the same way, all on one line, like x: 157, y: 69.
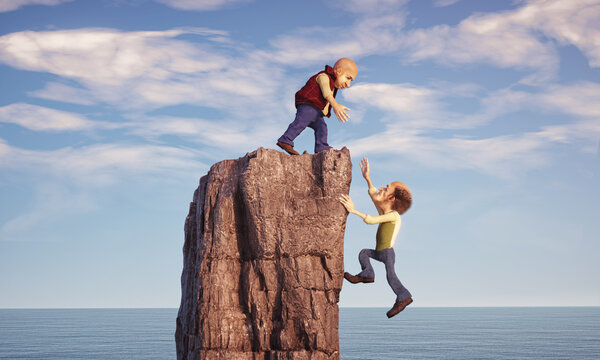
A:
x: 388, y: 257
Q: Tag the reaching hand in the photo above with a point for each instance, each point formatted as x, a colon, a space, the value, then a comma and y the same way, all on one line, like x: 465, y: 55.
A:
x: 347, y: 202
x: 364, y: 168
x: 340, y: 112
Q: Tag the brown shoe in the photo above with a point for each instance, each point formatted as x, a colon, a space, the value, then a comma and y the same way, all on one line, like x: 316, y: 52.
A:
x: 355, y: 279
x: 399, y: 306
x: 288, y: 148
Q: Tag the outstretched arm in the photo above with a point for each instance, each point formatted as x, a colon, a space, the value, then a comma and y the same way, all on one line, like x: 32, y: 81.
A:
x: 338, y: 109
x: 349, y: 205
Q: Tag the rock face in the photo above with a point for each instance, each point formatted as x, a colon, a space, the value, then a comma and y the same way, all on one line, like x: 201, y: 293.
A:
x: 263, y: 258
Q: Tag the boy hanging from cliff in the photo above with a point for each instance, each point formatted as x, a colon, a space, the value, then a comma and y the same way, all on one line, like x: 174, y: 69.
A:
x: 315, y: 100
x: 391, y: 201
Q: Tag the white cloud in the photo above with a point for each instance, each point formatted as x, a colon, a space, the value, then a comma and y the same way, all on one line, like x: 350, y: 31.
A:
x: 39, y: 118
x: 520, y: 39
x: 501, y: 156
x: 10, y: 5
x: 70, y: 175
x: 479, y: 39
x: 146, y: 70
x: 224, y: 134
x: 64, y: 93
x: 421, y: 107
x: 105, y: 56
x: 443, y: 3
x: 569, y: 22
x: 52, y: 202
x: 579, y: 99
x: 108, y: 161
x: 578, y: 103
x: 141, y: 71
x: 368, y: 6
x: 370, y: 35
x: 406, y: 103
x: 104, y: 164
x: 414, y: 116
x: 513, y: 39
x: 201, y: 5
x: 399, y: 98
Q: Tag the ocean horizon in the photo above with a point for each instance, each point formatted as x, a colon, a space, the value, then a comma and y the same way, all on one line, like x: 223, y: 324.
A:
x: 524, y: 332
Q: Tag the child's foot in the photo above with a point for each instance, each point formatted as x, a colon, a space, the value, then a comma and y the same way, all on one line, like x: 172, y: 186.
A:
x: 355, y: 279
x: 288, y: 148
x: 399, y: 306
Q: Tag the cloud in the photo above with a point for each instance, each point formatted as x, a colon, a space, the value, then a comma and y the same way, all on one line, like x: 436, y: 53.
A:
x: 10, y: 5
x: 224, y: 134
x: 569, y: 22
x: 146, y: 70
x: 368, y: 6
x: 516, y: 39
x: 369, y: 35
x: 580, y: 99
x: 483, y: 39
x: 444, y: 3
x: 104, y: 164
x: 406, y: 103
x: 52, y: 202
x: 39, y: 118
x: 64, y: 93
x: 577, y: 102
x: 422, y: 107
x: 500, y: 156
x: 105, y: 56
x: 524, y: 38
x: 201, y: 5
x: 414, y: 116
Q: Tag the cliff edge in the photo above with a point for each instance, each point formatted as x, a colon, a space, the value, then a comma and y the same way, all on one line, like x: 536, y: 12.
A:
x: 263, y: 258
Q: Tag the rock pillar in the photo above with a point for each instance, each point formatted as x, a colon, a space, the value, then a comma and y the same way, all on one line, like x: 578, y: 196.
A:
x: 263, y: 258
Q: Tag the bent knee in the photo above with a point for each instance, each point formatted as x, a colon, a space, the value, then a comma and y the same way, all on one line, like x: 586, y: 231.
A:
x: 364, y: 252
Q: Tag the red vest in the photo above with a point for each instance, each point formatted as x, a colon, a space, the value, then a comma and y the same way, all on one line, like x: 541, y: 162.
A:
x: 311, y: 92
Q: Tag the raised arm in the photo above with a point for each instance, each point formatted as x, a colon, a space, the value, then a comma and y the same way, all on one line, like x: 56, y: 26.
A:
x: 364, y: 168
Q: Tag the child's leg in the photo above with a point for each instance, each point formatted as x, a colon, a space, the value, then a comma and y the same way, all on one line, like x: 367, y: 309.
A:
x: 365, y: 263
x: 305, y: 115
x: 320, y: 128
x: 388, y: 257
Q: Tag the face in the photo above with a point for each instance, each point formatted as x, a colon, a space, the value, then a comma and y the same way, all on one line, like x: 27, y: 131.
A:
x: 344, y: 78
x: 386, y: 193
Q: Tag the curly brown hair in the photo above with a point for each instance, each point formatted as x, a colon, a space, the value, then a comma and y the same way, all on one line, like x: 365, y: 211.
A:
x: 402, y: 198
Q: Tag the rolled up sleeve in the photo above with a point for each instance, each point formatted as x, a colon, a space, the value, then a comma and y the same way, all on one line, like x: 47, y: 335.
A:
x: 380, y: 218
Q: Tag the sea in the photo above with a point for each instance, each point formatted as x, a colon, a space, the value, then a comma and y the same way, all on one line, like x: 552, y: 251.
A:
x: 571, y: 333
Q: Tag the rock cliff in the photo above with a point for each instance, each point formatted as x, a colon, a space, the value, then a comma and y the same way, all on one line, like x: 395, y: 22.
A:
x: 263, y: 258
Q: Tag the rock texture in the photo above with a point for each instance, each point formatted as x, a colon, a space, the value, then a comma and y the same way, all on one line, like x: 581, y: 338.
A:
x: 263, y: 258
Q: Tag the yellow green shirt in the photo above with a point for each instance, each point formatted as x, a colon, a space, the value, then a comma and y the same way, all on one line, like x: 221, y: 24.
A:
x: 389, y: 226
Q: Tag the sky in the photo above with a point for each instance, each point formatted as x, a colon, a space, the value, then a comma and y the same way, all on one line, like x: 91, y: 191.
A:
x: 112, y: 110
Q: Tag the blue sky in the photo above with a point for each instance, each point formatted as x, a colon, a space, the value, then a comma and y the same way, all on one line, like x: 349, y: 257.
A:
x: 111, y: 111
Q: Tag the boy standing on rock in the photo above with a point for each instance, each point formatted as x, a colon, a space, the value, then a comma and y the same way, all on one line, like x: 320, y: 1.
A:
x: 315, y: 100
x: 390, y: 201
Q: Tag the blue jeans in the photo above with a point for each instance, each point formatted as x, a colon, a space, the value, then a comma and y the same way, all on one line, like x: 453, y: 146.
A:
x: 388, y: 257
x: 307, y: 116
